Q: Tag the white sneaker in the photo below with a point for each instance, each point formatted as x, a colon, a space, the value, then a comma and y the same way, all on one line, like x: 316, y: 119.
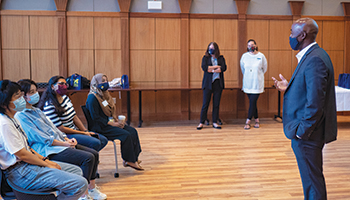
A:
x: 97, y: 195
x: 86, y: 197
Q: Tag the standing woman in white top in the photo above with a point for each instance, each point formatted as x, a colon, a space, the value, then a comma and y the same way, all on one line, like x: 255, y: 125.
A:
x: 253, y: 66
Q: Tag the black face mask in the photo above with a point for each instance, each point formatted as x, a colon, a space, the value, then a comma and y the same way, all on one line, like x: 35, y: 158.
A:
x: 251, y: 49
x: 211, y: 51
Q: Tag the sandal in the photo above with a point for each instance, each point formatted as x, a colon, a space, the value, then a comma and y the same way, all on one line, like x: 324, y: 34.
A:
x: 257, y: 125
x: 247, y: 126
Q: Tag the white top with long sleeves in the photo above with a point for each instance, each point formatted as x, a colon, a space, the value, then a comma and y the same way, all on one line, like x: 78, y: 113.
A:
x: 253, y: 67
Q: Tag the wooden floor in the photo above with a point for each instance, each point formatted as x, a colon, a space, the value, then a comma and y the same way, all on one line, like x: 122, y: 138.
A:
x: 184, y: 163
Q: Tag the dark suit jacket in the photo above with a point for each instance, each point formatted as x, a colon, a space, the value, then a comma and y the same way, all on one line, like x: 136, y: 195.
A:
x: 208, y: 76
x: 309, y: 109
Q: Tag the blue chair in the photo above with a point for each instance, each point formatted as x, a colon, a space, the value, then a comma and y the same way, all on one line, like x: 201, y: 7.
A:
x: 90, y: 122
x: 11, y: 191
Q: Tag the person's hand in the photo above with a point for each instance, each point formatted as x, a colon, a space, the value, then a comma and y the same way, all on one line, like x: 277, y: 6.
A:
x: 71, y: 143
x: 88, y: 133
x: 92, y: 133
x: 53, y: 165
x: 282, y: 84
x: 118, y: 124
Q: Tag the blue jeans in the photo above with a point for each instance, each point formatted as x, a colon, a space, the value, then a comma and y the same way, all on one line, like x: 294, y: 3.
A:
x: 90, y: 141
x: 33, y: 177
x: 73, y: 169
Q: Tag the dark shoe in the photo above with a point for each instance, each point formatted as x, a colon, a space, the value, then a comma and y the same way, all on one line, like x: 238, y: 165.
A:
x: 200, y: 126
x: 219, y: 122
x: 216, y: 126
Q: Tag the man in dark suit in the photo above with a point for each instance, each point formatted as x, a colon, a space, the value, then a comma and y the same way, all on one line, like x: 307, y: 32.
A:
x: 309, y: 112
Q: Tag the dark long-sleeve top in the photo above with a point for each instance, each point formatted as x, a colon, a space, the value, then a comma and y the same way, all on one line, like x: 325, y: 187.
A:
x: 98, y: 116
x: 208, y: 76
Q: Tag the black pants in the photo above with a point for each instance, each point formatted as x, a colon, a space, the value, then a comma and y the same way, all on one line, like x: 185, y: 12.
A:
x: 216, y: 91
x: 129, y: 138
x: 84, y: 157
x: 253, y: 110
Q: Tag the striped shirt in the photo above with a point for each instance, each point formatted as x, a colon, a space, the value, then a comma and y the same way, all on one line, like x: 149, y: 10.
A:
x: 67, y: 117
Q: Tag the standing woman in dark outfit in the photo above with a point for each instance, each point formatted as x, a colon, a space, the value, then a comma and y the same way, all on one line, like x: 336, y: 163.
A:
x: 214, y: 66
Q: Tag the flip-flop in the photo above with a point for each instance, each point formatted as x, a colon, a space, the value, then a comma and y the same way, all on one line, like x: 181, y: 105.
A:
x: 246, y: 127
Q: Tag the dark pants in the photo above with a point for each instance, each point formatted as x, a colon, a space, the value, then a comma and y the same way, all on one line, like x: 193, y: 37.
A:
x: 130, y: 143
x: 89, y: 141
x: 216, y: 91
x: 84, y: 157
x: 253, y: 109
x: 309, y: 157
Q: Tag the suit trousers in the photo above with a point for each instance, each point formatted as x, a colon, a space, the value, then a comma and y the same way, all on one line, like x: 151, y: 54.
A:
x: 216, y: 91
x: 309, y: 158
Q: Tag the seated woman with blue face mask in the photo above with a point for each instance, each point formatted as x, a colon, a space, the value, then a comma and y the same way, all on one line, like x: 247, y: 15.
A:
x: 22, y: 165
x: 45, y: 138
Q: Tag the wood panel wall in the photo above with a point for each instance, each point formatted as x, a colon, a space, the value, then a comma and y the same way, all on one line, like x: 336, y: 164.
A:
x: 94, y: 45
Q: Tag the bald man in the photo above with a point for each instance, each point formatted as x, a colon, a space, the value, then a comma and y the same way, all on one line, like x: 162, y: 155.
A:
x: 309, y: 112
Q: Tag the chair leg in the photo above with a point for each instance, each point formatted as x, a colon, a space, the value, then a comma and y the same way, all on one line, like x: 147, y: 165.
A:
x: 116, y: 174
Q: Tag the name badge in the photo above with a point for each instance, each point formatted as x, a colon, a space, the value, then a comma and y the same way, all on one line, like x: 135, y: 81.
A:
x: 105, y: 103
x: 259, y: 58
x: 69, y: 104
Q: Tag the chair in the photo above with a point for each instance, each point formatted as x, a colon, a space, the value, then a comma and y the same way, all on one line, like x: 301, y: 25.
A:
x: 90, y: 122
x: 11, y: 191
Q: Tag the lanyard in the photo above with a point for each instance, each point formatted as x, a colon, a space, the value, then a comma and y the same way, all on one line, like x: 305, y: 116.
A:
x: 18, y: 127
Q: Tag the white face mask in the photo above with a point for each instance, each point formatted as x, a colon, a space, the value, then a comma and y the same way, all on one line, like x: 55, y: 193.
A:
x: 34, y: 99
x: 20, y: 104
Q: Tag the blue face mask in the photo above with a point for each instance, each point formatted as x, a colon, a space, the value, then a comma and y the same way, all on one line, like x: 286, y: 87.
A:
x: 103, y: 86
x: 294, y: 43
x: 211, y: 51
x: 34, y: 99
x: 20, y: 104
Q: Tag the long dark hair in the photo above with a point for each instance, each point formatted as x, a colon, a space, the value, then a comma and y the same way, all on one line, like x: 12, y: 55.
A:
x: 7, y: 90
x: 217, y: 50
x: 50, y: 96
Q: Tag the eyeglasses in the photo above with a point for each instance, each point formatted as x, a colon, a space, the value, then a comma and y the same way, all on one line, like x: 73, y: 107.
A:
x: 62, y: 83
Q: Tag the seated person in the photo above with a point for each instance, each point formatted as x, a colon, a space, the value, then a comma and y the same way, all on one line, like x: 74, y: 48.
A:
x: 101, y: 107
x: 47, y: 140
x: 58, y: 107
x: 23, y: 166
